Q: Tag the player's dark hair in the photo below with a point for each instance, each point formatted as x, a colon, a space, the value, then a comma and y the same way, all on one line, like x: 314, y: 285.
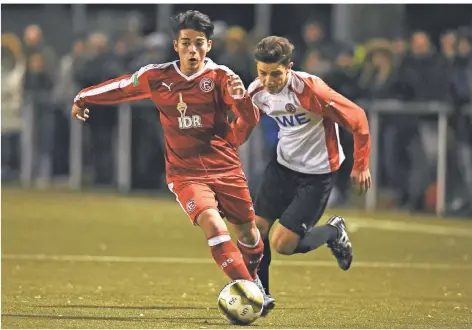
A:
x: 194, y: 20
x: 274, y: 50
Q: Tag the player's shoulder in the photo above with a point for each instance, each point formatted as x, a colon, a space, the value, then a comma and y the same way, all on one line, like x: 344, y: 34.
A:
x: 223, y: 69
x: 218, y: 68
x: 301, y: 79
x: 161, y: 67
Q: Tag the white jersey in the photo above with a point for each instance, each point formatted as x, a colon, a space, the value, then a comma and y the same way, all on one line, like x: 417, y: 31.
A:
x: 309, y: 133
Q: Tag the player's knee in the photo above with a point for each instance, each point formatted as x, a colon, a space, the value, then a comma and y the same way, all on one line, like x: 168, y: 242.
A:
x: 248, y: 233
x: 282, y: 247
x: 211, y: 222
x: 283, y: 240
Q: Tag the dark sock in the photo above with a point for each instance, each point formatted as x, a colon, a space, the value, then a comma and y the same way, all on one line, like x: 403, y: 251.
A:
x: 315, y: 238
x: 263, y: 271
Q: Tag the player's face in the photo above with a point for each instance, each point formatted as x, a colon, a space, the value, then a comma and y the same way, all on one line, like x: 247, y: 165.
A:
x: 192, y: 47
x: 273, y: 76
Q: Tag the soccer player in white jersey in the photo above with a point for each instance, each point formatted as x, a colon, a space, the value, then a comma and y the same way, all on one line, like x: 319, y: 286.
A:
x: 297, y: 184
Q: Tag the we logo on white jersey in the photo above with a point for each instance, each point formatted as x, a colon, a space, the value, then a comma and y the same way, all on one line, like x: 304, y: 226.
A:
x: 292, y: 120
x: 186, y: 122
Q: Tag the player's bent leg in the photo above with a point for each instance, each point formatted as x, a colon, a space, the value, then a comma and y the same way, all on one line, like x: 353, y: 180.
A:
x: 304, y: 212
x: 284, y: 240
x: 295, y: 234
x: 316, y: 237
x: 236, y: 203
x: 223, y: 250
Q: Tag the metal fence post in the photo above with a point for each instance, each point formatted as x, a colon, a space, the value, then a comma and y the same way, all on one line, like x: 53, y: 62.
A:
x: 442, y: 164
x: 341, y: 18
x: 124, y: 147
x: 27, y: 142
x: 75, y: 153
x: 262, y: 18
x: 79, y: 17
x: 164, y: 11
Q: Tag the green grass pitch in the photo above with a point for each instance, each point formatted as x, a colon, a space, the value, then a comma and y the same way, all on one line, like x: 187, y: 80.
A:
x: 98, y: 260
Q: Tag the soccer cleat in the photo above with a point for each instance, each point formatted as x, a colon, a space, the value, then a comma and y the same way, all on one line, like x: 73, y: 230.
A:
x: 269, y: 301
x: 341, y: 247
x: 269, y: 304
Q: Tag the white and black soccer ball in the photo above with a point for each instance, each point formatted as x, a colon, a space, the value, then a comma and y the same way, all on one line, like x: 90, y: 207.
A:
x: 240, y: 302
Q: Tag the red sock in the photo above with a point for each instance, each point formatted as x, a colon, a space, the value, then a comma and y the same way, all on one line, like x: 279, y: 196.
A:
x: 252, y: 255
x: 228, y: 257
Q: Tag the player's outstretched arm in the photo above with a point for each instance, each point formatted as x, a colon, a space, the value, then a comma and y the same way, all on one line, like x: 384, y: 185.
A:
x: 126, y: 88
x: 235, y: 94
x: 348, y: 114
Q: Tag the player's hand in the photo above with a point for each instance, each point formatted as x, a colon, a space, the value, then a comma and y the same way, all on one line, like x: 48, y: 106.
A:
x: 361, y: 180
x: 79, y: 113
x: 235, y: 85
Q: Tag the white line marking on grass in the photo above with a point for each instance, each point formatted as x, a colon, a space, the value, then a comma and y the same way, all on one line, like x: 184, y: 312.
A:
x: 355, y: 223
x: 200, y: 261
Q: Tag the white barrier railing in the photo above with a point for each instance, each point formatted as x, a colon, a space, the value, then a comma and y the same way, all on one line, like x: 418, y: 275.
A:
x: 377, y: 108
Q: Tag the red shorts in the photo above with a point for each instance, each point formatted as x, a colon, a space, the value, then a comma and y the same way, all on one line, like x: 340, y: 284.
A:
x: 228, y: 195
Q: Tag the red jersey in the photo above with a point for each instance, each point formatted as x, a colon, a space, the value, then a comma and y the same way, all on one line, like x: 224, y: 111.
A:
x: 193, y: 112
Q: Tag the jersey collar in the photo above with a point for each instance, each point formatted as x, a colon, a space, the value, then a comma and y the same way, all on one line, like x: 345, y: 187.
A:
x: 208, y: 63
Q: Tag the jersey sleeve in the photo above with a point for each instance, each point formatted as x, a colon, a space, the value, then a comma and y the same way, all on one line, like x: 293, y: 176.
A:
x: 346, y: 113
x: 241, y: 130
x: 126, y: 88
x: 242, y: 106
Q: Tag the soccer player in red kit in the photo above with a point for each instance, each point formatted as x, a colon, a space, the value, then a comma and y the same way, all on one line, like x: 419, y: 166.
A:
x: 193, y: 96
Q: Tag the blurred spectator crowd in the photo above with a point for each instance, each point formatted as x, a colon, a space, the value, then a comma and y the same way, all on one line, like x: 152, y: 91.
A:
x: 407, y: 67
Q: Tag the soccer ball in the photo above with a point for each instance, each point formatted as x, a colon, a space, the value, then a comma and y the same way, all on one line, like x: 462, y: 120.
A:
x: 240, y: 302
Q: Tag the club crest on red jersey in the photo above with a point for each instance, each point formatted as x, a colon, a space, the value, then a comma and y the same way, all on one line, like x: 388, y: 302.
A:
x: 207, y: 85
x: 289, y: 107
x: 191, y: 205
